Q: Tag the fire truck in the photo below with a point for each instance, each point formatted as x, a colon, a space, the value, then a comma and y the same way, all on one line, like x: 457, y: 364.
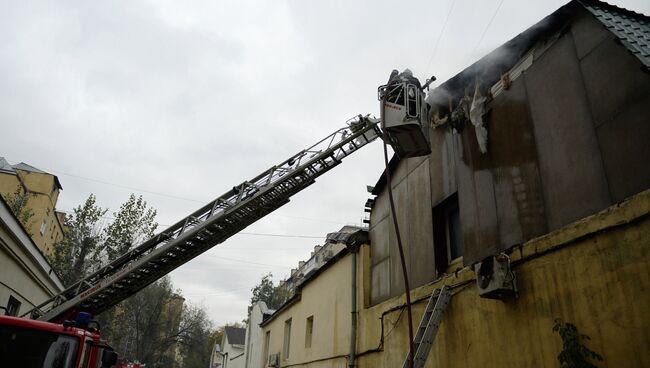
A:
x: 60, y: 332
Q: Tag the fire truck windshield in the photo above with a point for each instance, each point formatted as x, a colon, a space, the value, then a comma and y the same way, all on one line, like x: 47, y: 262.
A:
x: 27, y: 348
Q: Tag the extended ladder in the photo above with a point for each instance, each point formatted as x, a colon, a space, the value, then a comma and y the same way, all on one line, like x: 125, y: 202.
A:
x: 428, y: 327
x: 207, y: 227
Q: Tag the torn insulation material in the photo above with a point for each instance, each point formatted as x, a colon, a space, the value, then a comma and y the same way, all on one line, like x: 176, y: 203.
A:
x: 476, y: 112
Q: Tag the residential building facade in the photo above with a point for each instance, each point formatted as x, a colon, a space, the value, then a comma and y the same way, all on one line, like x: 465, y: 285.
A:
x: 26, y: 279
x: 254, y: 354
x: 42, y: 192
x: 312, y: 328
x: 230, y: 353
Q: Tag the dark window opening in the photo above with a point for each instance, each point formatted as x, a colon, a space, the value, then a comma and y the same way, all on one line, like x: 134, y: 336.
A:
x: 13, y: 306
x: 287, y: 339
x: 309, y: 331
x: 267, y: 341
x: 447, y: 234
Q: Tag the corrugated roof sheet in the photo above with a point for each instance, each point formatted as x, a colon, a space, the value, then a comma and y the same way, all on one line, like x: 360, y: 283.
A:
x: 631, y: 28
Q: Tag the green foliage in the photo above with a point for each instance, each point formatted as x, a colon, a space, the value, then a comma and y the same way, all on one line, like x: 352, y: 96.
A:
x: 154, y: 325
x: 79, y: 250
x: 274, y: 296
x: 574, y: 353
x: 18, y: 204
x: 133, y: 224
x: 196, y: 338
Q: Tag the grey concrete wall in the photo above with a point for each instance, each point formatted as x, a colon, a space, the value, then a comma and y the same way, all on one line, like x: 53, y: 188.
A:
x: 618, y: 93
x: 571, y: 169
x: 411, y: 191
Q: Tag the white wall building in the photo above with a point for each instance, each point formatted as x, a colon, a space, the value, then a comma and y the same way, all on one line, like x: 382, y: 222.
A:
x: 231, y: 354
x: 254, y: 355
x: 26, y: 278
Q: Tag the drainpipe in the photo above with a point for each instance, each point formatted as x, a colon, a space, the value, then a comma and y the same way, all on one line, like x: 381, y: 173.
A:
x: 354, y: 249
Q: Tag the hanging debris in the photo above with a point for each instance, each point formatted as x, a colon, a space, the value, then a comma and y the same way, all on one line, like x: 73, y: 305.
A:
x: 476, y: 112
x: 437, y: 121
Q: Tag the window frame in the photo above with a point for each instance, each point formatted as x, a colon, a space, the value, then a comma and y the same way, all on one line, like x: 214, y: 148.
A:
x: 309, y: 331
x: 441, y: 215
x: 265, y: 352
x: 286, y: 345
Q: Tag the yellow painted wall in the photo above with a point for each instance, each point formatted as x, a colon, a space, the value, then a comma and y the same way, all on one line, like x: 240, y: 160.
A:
x: 8, y: 183
x: 43, y: 197
x: 327, y: 298
x: 593, y: 273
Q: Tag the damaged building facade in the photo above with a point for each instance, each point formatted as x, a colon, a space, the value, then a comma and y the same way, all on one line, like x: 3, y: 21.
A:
x: 540, y: 152
x: 539, y: 155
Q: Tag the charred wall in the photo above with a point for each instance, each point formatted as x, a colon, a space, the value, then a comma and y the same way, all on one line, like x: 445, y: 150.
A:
x: 567, y: 138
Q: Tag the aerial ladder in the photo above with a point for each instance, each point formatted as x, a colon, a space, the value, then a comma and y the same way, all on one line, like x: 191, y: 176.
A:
x: 208, y: 226
x: 244, y: 204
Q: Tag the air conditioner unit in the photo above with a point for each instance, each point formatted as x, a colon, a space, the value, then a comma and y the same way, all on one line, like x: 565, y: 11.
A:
x: 274, y: 360
x: 495, y: 278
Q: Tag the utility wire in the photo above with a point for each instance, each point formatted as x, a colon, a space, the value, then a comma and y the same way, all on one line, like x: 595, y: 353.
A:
x: 282, y: 235
x: 244, y: 261
x: 127, y: 187
x: 242, y: 232
x: 220, y: 293
x: 488, y: 26
x: 177, y: 197
x: 442, y: 31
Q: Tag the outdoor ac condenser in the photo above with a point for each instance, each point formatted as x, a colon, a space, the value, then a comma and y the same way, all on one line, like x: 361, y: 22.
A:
x: 495, y: 278
x: 274, y: 360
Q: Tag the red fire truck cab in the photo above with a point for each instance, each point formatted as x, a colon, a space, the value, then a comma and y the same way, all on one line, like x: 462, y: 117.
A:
x: 28, y: 343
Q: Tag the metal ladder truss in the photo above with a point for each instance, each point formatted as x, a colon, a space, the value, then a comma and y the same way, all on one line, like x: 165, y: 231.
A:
x: 428, y: 327
x: 210, y: 225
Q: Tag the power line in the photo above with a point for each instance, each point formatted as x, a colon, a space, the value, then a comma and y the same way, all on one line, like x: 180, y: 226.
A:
x: 128, y: 187
x: 244, y: 261
x: 442, y: 31
x: 488, y: 26
x: 283, y: 235
x: 175, y: 196
x: 241, y: 232
x: 220, y: 293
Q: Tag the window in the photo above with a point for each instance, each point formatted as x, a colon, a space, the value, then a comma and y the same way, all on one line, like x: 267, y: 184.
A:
x: 267, y: 342
x: 309, y: 331
x: 13, y: 306
x: 454, y: 236
x: 447, y: 235
x: 287, y: 339
x: 43, y: 226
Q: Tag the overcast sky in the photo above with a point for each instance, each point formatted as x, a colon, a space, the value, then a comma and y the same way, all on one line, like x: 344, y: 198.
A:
x: 181, y: 100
